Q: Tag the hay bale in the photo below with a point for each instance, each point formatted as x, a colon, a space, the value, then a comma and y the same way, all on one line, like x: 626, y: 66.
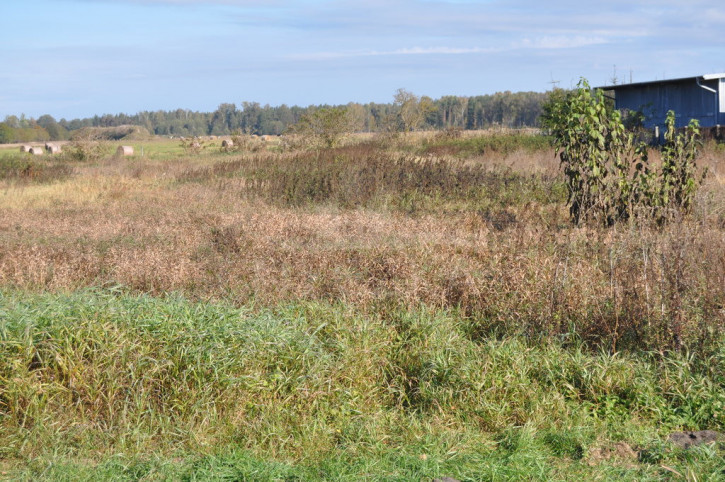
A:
x: 52, y: 148
x: 25, y: 148
x: 124, y: 151
x: 227, y: 143
x: 36, y: 151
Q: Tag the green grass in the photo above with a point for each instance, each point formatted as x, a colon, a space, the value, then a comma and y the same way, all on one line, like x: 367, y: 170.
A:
x: 159, y: 149
x: 104, y: 384
x: 530, y: 463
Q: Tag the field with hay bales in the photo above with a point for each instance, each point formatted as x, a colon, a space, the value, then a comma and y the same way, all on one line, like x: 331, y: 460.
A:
x: 404, y: 308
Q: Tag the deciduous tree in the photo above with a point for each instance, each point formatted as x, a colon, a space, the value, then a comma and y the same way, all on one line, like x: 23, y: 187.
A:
x: 325, y: 127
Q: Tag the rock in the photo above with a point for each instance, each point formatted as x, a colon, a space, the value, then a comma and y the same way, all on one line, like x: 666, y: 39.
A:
x: 686, y: 440
x: 446, y: 479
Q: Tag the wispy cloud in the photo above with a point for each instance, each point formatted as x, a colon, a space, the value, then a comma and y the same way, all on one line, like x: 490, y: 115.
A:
x: 561, y: 42
x: 546, y: 42
x: 401, y: 51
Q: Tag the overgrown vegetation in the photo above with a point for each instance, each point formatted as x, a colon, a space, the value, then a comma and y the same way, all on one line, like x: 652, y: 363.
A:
x: 452, y: 143
x: 364, y: 176
x: 376, y: 310
x: 608, y: 175
x: 24, y: 168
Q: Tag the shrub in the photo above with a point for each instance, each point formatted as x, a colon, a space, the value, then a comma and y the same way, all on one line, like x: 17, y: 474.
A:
x: 242, y: 142
x: 608, y: 174
x: 192, y: 145
x: 20, y: 167
x: 679, y: 172
x: 86, y: 145
x: 325, y: 127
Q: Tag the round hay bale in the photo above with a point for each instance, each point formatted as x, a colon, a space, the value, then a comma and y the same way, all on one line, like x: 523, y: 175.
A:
x: 36, y: 151
x: 52, y: 149
x: 25, y: 148
x: 227, y: 143
x: 124, y: 151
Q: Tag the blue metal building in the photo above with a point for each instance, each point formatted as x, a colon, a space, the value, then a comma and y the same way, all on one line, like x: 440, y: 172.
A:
x: 701, y: 98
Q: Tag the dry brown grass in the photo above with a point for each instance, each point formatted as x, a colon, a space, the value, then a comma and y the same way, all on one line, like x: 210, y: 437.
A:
x: 510, y: 267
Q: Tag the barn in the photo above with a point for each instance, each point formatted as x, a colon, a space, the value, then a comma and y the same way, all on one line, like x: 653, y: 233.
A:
x: 701, y: 98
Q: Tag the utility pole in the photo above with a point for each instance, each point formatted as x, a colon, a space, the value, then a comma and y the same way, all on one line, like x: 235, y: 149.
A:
x: 614, y: 78
x: 554, y: 83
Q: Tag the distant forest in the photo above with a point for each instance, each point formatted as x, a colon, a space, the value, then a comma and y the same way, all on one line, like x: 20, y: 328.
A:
x: 508, y: 109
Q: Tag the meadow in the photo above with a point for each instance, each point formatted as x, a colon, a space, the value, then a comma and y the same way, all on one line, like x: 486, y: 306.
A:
x: 391, y: 309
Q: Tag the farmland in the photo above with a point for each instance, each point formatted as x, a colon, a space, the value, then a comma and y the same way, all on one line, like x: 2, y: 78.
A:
x: 390, y: 309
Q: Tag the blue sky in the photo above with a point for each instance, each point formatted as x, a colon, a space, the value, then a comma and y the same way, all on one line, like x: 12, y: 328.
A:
x: 77, y: 58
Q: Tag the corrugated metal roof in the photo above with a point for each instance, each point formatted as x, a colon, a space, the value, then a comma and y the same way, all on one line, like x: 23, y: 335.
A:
x: 666, y: 81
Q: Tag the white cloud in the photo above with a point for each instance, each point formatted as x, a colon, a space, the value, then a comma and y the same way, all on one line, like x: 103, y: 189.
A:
x: 401, y: 51
x: 545, y: 42
x: 561, y: 42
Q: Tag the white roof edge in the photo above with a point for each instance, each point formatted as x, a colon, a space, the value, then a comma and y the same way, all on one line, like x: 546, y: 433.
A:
x: 639, y: 84
x: 713, y: 76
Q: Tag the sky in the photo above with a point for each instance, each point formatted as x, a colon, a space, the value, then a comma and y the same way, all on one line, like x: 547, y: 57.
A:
x: 79, y: 58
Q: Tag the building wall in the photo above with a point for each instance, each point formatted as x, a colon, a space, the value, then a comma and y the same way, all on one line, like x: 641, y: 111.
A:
x: 721, y: 109
x: 686, y: 98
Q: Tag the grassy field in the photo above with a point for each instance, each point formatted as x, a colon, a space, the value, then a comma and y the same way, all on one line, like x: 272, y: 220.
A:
x: 378, y: 311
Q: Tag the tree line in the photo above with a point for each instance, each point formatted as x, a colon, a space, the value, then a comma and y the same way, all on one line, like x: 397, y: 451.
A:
x: 507, y: 109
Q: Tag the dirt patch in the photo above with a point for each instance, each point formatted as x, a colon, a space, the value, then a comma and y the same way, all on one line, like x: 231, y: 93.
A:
x: 686, y: 440
x: 620, y: 453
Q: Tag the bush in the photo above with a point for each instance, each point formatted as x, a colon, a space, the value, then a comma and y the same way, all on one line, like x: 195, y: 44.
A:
x: 242, y: 142
x: 192, y: 145
x: 23, y: 168
x: 86, y: 145
x: 608, y: 174
x: 326, y: 127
